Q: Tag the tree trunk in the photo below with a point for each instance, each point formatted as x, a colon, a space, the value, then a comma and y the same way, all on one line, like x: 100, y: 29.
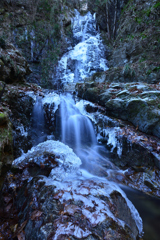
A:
x: 107, y: 15
x: 115, y: 18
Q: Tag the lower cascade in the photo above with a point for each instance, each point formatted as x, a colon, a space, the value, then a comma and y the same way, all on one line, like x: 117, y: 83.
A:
x: 78, y: 182
x: 77, y: 130
x: 73, y: 194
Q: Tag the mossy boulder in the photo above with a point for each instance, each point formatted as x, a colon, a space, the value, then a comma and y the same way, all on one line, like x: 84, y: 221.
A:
x: 6, y: 140
x: 3, y: 118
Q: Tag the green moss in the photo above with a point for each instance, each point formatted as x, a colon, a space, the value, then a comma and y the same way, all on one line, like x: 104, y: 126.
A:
x: 127, y: 5
x: 2, y: 115
x: 156, y: 69
x: 146, y: 12
x: 149, y: 72
x: 3, y: 118
x: 142, y: 60
x: 130, y: 36
x: 138, y: 20
x: 143, y: 35
x: 157, y: 5
x: 6, y: 138
x: 1, y: 63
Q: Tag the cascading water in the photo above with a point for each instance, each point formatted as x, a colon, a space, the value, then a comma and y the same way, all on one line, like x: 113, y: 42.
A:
x: 38, y: 123
x: 84, y: 59
x: 87, y: 56
x: 77, y: 130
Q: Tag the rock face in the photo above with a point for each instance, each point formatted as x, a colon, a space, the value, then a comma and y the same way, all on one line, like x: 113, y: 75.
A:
x: 13, y: 66
x: 135, y: 102
x: 135, y: 53
x: 41, y: 30
x: 18, y: 101
x: 66, y: 204
x: 137, y: 39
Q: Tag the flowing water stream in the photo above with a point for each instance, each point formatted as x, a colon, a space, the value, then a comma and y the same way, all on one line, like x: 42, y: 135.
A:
x: 81, y: 61
x: 75, y: 129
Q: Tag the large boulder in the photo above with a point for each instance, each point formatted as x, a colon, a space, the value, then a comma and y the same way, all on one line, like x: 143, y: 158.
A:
x: 64, y: 203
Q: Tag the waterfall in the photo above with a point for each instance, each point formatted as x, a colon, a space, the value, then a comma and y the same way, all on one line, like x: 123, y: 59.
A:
x: 32, y: 35
x: 87, y: 56
x: 73, y: 128
x: 38, y: 122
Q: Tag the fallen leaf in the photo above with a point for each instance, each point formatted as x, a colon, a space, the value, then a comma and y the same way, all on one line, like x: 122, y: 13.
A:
x: 19, y: 230
x: 36, y: 214
x: 14, y: 228
x: 8, y: 207
x: 22, y: 226
x: 144, y: 139
x: 7, y: 199
x: 21, y: 236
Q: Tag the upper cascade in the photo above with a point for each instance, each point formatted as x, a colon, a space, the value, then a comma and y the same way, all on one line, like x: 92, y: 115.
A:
x: 83, y: 27
x: 87, y: 56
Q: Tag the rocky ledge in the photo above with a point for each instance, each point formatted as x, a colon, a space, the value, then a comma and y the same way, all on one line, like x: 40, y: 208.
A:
x: 138, y: 103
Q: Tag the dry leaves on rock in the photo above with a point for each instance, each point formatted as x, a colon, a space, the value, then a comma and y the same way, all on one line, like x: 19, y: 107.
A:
x: 36, y: 214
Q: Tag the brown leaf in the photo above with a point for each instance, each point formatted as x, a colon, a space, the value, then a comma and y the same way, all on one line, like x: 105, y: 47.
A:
x: 21, y: 236
x: 144, y: 139
x: 22, y: 226
x: 36, y: 214
x: 14, y: 228
x: 19, y: 230
x: 8, y: 207
x: 7, y: 199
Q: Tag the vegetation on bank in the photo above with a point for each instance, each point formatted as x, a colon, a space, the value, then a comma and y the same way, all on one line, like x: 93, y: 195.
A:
x: 6, y: 140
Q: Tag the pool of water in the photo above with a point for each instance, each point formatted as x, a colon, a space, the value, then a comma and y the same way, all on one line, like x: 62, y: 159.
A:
x: 149, y: 209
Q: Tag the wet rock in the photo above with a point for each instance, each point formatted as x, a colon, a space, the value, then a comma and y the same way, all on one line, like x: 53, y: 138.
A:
x: 135, y: 102
x: 51, y: 104
x: 63, y: 154
x: 20, y: 102
x: 65, y: 204
x: 21, y: 106
x: 79, y: 216
x: 3, y: 118
x: 129, y: 149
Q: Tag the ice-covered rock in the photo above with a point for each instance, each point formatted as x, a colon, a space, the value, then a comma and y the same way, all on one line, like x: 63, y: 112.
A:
x: 62, y: 153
